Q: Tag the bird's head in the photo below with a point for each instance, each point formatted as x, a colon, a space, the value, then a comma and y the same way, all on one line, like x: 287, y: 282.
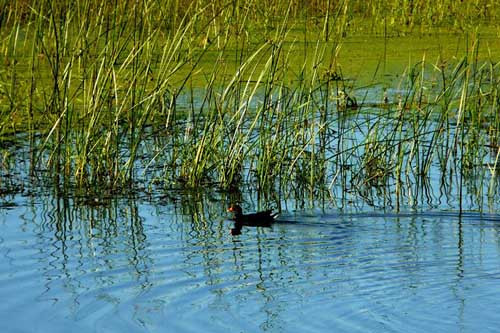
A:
x: 236, y: 209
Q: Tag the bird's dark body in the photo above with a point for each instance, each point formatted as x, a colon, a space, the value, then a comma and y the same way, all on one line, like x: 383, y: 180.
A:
x: 259, y: 219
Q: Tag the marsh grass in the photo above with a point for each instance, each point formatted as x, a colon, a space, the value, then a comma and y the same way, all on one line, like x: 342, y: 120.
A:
x: 189, y: 94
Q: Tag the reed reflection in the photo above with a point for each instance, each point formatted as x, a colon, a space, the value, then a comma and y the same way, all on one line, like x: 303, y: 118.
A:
x: 89, y: 250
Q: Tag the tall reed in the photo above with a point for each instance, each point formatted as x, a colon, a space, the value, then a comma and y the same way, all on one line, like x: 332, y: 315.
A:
x: 197, y: 93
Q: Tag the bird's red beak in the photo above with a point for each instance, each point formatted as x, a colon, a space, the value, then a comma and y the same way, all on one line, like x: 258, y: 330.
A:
x: 230, y: 209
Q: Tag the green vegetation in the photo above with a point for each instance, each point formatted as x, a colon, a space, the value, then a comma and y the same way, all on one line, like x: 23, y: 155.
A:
x: 194, y: 93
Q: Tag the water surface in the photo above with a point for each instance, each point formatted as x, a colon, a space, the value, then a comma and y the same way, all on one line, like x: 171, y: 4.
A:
x: 139, y: 266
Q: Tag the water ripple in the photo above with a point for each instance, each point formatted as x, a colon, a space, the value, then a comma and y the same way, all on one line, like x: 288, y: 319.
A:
x: 353, y: 273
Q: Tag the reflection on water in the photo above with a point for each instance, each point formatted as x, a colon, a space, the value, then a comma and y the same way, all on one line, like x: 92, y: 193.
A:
x: 132, y: 264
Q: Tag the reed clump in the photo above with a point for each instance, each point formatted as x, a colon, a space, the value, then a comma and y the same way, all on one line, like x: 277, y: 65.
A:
x: 189, y: 94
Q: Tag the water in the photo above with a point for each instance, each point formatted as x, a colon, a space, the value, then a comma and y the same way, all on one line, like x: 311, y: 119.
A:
x: 140, y: 265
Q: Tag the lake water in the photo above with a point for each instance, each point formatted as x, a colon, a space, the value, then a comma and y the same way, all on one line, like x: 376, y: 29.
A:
x: 164, y: 261
x: 143, y: 265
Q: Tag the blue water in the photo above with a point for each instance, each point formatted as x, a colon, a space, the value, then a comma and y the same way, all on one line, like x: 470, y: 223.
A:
x: 134, y: 265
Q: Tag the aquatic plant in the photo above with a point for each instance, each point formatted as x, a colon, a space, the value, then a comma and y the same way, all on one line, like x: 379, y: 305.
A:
x: 115, y: 96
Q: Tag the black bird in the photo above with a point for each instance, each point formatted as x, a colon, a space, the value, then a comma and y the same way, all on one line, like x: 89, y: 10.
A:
x: 259, y: 219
